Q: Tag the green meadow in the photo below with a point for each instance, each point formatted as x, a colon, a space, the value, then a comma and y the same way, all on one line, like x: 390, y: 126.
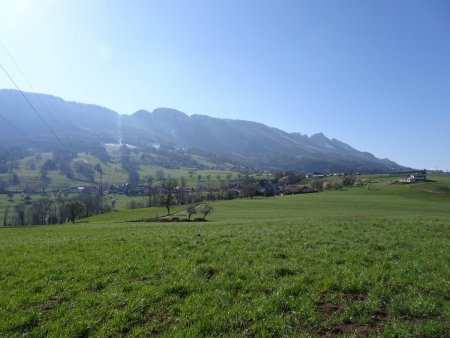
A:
x: 366, y: 261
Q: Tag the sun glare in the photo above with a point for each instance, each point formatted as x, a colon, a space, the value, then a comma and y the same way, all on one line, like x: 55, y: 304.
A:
x: 16, y: 11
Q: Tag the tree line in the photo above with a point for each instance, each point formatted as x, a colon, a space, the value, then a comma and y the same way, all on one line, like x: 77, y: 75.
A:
x: 60, y: 209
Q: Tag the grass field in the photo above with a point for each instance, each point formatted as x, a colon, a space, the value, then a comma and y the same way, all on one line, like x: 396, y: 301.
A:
x: 356, y: 262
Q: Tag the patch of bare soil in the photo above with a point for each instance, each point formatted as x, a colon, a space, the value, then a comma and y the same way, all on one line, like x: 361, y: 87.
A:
x: 354, y: 329
x: 330, y: 309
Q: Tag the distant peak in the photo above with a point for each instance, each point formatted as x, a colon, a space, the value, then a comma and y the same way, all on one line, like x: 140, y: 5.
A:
x: 319, y: 137
x: 141, y: 112
x: 169, y: 112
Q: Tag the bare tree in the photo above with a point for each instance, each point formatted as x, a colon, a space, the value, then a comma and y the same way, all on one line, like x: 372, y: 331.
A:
x: 249, y: 186
x: 317, y: 185
x: 91, y: 202
x: 206, y: 209
x: 74, y: 209
x: 20, y: 210
x: 167, y: 194
x: 183, y: 188
x: 191, y: 210
x: 10, y: 196
x: 150, y: 181
x: 348, y: 181
x: 40, y: 211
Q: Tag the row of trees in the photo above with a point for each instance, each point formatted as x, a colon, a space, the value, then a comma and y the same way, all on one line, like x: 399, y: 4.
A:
x: 345, y: 182
x: 172, y: 191
x: 63, y: 208
x: 57, y: 210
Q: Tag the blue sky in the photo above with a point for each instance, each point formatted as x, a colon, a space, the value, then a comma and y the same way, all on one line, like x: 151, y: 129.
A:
x: 374, y: 74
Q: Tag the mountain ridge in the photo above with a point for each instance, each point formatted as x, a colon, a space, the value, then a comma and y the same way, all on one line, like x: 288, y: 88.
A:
x: 246, y: 142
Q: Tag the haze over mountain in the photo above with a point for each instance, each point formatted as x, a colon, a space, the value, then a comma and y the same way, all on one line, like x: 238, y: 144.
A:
x: 245, y: 142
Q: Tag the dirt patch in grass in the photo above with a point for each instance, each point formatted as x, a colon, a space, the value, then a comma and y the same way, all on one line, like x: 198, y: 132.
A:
x: 347, y: 328
x: 156, y: 321
x: 49, y: 305
x: 330, y: 309
x: 350, y: 329
x: 354, y: 329
x: 355, y: 296
x: 380, y: 316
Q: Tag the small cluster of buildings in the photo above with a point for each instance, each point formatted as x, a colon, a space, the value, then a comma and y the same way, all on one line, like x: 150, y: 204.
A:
x: 265, y: 187
x: 411, y: 176
x: 317, y: 175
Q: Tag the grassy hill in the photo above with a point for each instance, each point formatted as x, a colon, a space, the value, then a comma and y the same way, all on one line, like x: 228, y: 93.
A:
x: 28, y: 172
x: 113, y: 171
x: 363, y: 261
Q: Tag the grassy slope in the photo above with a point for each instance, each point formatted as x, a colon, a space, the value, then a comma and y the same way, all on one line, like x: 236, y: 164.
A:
x: 120, y: 175
x: 350, y: 262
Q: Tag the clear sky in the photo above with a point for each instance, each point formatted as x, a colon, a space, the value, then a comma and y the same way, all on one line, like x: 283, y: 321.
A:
x: 374, y: 74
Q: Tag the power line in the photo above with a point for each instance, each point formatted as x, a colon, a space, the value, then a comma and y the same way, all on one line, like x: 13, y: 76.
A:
x: 16, y: 128
x: 33, y: 107
x: 27, y: 81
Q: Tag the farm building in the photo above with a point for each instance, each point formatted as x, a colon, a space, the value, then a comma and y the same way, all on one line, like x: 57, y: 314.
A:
x: 411, y: 176
x: 409, y: 179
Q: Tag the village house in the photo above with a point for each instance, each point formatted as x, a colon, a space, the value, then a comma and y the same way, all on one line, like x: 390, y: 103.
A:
x: 315, y: 175
x: 412, y: 176
x: 409, y: 179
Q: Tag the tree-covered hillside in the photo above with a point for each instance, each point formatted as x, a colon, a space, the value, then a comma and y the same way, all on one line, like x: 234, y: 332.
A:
x: 81, y: 127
